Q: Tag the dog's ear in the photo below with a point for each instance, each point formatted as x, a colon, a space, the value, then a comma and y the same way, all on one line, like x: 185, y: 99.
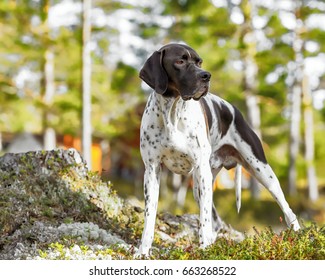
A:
x: 153, y: 72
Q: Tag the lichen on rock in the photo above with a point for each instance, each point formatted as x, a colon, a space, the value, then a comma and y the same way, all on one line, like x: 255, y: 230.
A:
x: 42, y: 191
x: 52, y: 207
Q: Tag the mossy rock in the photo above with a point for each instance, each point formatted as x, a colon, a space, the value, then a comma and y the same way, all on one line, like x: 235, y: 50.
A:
x: 52, y: 207
x: 50, y: 188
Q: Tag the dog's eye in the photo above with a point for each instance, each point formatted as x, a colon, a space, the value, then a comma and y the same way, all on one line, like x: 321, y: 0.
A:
x: 179, y: 62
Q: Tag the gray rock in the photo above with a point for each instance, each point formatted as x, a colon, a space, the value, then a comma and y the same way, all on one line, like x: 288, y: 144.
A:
x: 49, y: 201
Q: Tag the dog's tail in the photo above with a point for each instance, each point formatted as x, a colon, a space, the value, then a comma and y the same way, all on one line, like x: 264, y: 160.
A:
x: 238, y: 173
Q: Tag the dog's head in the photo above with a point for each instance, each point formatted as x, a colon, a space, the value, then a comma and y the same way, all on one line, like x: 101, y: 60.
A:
x: 175, y: 70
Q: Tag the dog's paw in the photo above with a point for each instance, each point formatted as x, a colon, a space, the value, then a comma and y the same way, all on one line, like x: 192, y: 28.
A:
x: 141, y: 253
x: 292, y: 222
x: 207, y: 241
x: 295, y: 225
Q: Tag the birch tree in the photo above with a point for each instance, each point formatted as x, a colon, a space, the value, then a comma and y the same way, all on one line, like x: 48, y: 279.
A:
x: 309, y: 139
x: 49, y: 132
x: 301, y: 110
x: 86, y: 83
x: 249, y: 83
x: 295, y: 101
x: 47, y: 82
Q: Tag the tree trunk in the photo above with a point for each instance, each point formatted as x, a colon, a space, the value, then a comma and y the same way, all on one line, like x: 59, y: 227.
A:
x: 309, y: 140
x: 250, y: 78
x: 49, y: 132
x: 47, y: 84
x: 254, y: 120
x: 294, y: 138
x: 86, y: 83
x: 296, y: 103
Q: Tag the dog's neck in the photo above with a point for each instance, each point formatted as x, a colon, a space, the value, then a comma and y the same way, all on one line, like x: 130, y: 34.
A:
x: 171, y: 92
x: 172, y: 109
x: 175, y: 117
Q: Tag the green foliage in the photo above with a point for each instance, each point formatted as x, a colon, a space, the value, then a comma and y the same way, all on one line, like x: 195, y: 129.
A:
x: 307, y: 244
x: 25, y: 37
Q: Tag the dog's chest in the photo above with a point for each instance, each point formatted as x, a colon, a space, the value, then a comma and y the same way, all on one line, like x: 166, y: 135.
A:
x: 180, y: 149
x: 179, y: 133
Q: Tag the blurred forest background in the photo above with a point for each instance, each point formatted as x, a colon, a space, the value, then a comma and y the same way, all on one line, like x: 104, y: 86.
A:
x: 69, y: 78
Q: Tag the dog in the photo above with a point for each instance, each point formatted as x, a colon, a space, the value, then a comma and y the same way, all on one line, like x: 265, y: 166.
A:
x: 192, y: 131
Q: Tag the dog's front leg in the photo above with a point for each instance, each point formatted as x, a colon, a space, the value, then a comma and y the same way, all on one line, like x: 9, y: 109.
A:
x: 203, y: 195
x: 151, y: 195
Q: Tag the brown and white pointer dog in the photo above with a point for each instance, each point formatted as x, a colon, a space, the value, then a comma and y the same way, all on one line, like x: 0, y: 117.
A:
x: 192, y: 131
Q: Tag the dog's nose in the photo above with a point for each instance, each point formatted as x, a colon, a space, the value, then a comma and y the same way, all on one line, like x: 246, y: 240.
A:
x: 205, y: 76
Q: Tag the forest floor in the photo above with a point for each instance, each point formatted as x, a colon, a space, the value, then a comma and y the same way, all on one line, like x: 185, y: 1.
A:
x: 51, y: 207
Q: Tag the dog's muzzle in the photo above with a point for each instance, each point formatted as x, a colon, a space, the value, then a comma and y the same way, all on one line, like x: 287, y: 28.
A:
x: 202, y: 91
x: 202, y: 87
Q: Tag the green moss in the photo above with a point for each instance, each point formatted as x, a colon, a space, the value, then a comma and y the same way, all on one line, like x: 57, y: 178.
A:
x: 307, y: 244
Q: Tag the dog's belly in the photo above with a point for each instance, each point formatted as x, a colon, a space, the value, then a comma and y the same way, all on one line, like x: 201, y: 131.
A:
x: 178, y: 162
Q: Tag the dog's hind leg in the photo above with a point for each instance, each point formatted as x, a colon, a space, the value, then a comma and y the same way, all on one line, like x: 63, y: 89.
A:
x: 217, y: 222
x: 265, y: 175
x: 251, y: 155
